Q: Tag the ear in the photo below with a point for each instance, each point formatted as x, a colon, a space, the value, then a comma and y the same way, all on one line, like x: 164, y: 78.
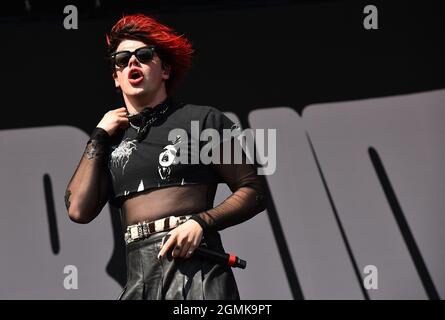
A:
x: 165, y: 70
x: 116, y: 83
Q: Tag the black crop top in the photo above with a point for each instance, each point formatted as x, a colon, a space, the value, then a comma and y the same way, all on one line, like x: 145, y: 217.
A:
x: 159, y: 160
x: 144, y: 156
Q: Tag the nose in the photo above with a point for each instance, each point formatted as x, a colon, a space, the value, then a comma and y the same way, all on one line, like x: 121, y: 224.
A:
x: 133, y: 60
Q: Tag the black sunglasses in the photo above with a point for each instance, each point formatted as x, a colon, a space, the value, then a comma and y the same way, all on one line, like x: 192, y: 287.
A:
x: 144, y: 55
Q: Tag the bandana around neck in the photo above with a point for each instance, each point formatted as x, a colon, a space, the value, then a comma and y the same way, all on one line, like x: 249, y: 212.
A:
x: 142, y: 120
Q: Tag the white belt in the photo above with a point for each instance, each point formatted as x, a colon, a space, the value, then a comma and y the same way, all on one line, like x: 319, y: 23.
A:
x: 145, y: 228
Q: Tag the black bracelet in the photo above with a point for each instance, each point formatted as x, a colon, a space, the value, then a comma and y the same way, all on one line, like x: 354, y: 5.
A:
x: 201, y: 221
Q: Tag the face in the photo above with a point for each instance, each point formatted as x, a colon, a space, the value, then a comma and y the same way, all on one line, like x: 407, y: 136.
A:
x: 140, y: 80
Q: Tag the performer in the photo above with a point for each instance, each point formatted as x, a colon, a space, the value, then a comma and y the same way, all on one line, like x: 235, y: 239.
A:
x: 154, y: 179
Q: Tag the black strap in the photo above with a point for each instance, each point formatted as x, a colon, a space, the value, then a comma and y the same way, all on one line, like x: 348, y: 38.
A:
x: 201, y: 222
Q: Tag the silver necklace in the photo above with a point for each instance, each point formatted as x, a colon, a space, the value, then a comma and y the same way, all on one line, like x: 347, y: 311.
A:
x: 134, y: 127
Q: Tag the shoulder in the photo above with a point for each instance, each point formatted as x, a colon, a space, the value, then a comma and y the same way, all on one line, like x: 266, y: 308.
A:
x: 203, y: 113
x: 200, y: 109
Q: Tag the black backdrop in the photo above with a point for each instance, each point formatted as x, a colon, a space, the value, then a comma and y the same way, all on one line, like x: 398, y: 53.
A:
x: 265, y: 54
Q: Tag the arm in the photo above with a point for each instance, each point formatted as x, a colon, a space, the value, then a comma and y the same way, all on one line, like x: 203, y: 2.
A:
x: 89, y: 188
x: 247, y: 200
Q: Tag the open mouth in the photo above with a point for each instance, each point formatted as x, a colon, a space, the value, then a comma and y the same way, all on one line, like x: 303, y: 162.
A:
x: 135, y: 76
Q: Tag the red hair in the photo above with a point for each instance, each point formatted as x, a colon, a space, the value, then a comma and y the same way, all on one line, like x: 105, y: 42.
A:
x: 173, y: 49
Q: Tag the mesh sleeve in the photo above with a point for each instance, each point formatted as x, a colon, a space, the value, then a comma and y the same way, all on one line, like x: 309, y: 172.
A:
x: 248, y: 193
x: 89, y: 188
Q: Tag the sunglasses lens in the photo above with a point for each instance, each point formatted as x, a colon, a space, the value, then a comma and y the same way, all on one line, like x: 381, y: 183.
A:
x: 121, y: 59
x: 144, y: 54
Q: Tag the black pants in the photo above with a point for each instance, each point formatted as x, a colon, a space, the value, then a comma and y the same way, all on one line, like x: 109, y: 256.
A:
x: 193, y: 278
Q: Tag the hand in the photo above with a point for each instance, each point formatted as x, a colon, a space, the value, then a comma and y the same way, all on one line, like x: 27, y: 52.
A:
x: 113, y: 120
x: 184, y: 239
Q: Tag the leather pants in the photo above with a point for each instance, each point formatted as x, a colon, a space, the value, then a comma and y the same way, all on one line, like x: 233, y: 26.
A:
x: 193, y: 278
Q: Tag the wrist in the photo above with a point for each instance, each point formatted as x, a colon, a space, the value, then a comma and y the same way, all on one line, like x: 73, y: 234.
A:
x: 200, y: 221
x: 98, y: 144
x: 101, y: 135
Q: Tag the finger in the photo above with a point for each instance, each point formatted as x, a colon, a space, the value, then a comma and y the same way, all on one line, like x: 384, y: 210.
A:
x: 190, y: 251
x: 195, y: 244
x: 177, y: 250
x: 121, y: 113
x: 185, y: 249
x: 123, y: 122
x: 167, y: 246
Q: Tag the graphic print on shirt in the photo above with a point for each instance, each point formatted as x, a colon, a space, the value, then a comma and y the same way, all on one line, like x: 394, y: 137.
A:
x: 121, y: 154
x: 169, y: 157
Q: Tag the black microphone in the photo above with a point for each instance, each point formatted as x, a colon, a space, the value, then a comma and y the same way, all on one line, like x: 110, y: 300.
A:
x: 224, y: 259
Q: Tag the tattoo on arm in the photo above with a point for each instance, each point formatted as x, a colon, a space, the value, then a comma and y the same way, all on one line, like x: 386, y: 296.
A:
x: 67, y: 198
x: 91, y: 149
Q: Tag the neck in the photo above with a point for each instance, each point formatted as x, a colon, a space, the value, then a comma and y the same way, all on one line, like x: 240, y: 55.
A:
x: 136, y: 104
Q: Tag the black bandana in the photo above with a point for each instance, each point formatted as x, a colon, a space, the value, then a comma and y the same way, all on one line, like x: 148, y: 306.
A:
x: 144, y: 119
